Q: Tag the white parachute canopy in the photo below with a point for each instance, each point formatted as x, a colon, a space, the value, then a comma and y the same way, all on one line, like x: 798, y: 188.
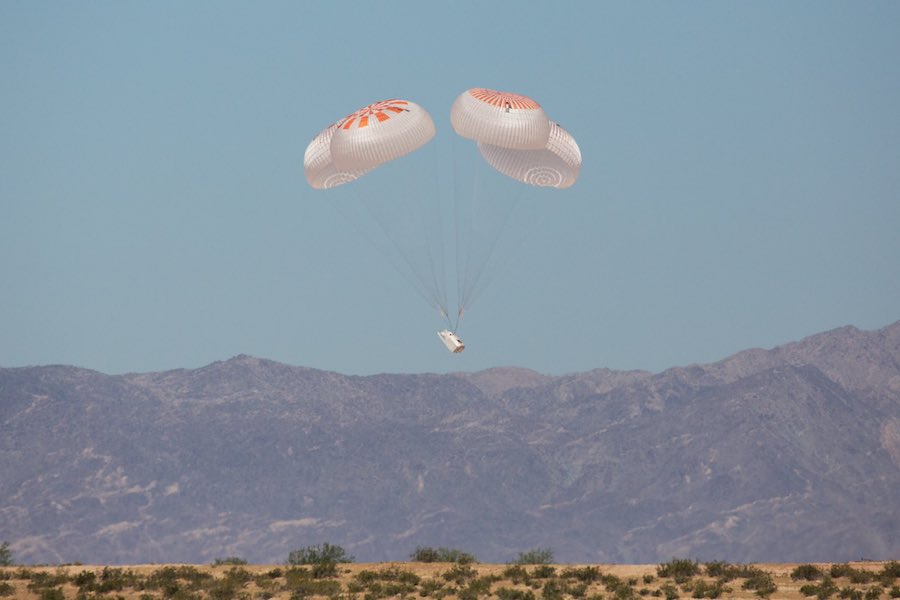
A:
x: 500, y: 118
x: 556, y: 165
x: 368, y: 138
x: 380, y: 133
x: 321, y: 173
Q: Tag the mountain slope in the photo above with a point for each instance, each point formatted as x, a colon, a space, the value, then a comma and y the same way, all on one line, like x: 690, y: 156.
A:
x: 784, y: 454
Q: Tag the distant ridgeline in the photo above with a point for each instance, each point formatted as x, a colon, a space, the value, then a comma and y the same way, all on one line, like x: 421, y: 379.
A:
x: 788, y: 454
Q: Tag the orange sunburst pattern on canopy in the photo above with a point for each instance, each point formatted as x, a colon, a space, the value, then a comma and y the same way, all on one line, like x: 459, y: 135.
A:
x: 503, y: 99
x: 380, y: 110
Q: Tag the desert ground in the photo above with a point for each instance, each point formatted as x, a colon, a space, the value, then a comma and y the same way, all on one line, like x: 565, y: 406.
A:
x: 450, y: 581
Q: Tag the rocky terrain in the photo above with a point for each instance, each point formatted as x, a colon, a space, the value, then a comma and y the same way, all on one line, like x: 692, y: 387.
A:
x: 780, y: 455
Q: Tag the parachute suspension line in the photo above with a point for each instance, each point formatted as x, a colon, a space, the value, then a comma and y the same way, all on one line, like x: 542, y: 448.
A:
x: 411, y: 276
x: 494, y: 215
x: 469, y: 242
x: 483, y: 278
x: 429, y: 202
x: 457, y: 225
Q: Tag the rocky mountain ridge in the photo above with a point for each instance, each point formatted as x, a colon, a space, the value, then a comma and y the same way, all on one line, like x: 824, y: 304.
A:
x: 788, y: 454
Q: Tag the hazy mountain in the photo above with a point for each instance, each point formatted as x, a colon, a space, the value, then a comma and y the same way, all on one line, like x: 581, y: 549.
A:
x: 784, y: 454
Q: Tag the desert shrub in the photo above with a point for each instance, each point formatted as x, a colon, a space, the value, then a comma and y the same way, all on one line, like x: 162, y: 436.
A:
x: 323, y: 570
x: 648, y: 578
x: 552, y: 590
x: 6, y: 588
x: 617, y: 587
x: 543, y: 572
x: 517, y: 573
x: 505, y: 593
x: 578, y: 590
x: 704, y: 589
x: 52, y: 593
x: 319, y: 554
x: 807, y: 572
x: 459, y: 574
x: 223, y: 589
x: 399, y: 575
x: 890, y: 571
x: 366, y: 576
x: 809, y: 589
x: 229, y: 560
x: 679, y: 569
x: 535, y: 556
x: 392, y: 581
x: 84, y: 580
x: 294, y: 575
x: 428, y: 554
x: 761, y: 583
x: 116, y: 580
x: 825, y: 588
x: 716, y: 568
x: 874, y: 593
x: 585, y: 574
x: 839, y: 570
x: 6, y: 557
x: 862, y: 576
x: 429, y: 587
x: 175, y: 582
x: 850, y: 593
x: 894, y: 592
x: 476, y: 588
x: 669, y: 591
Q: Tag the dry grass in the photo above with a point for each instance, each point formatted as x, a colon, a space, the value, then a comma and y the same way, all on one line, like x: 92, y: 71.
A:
x: 259, y: 583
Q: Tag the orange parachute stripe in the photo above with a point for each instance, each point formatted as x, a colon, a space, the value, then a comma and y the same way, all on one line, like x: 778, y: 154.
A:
x: 361, y: 117
x: 504, y: 99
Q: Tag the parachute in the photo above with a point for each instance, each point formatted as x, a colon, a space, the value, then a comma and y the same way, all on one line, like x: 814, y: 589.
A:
x: 513, y: 136
x: 556, y: 165
x: 516, y: 138
x: 368, y: 138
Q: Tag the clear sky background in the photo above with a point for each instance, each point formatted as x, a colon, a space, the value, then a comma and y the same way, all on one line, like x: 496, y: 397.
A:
x: 740, y: 188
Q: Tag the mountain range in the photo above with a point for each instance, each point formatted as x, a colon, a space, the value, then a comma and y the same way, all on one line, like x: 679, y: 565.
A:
x: 786, y: 454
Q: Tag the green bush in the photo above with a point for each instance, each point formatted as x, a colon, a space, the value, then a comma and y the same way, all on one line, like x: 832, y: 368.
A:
x: 704, y: 589
x: 514, y: 594
x: 584, y: 574
x: 536, y: 556
x: 670, y: 591
x: 850, y: 593
x: 6, y: 557
x: 229, y: 560
x: 679, y: 569
x: 809, y: 589
x: 840, y: 570
x: 428, y: 554
x: 317, y: 555
x: 459, y: 574
x: 476, y: 588
x: 894, y: 592
x: 517, y: 573
x: 762, y: 583
x: 543, y: 572
x: 874, y: 593
x: 807, y: 572
x: 553, y: 590
x: 890, y: 571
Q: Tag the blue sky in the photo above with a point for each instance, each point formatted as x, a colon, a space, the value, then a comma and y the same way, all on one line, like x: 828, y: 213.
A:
x: 739, y: 188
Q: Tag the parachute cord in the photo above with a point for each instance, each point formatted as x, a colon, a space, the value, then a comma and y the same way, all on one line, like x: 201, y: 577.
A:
x: 457, y: 213
x: 416, y: 282
x: 480, y: 277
